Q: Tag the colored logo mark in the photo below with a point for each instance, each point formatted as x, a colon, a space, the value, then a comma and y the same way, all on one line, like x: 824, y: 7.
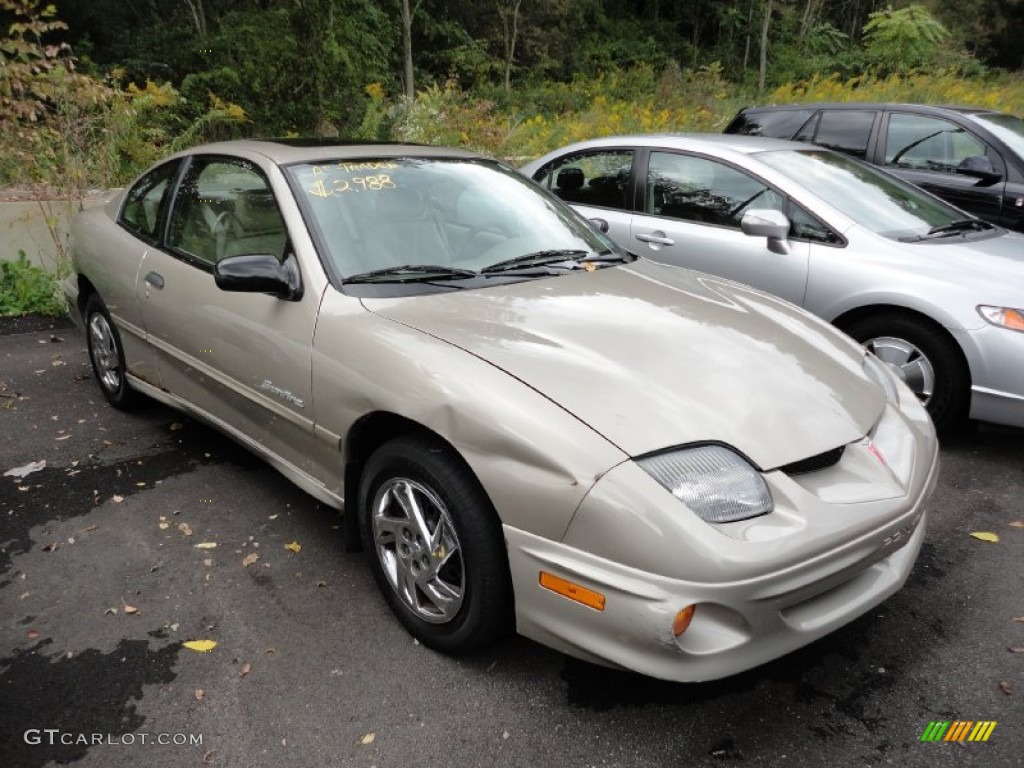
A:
x: 958, y: 730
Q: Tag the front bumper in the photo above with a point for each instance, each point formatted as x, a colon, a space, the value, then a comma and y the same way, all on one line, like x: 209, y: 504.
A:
x: 996, y: 359
x: 760, y: 591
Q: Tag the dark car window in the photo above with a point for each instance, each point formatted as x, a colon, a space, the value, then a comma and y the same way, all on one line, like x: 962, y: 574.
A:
x: 143, y: 202
x: 782, y: 124
x: 845, y: 130
x: 599, y: 179
x: 704, y: 191
x: 225, y: 207
x: 925, y: 143
x: 807, y: 226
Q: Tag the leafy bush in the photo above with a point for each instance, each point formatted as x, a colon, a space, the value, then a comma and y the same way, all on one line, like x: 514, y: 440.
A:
x: 26, y: 288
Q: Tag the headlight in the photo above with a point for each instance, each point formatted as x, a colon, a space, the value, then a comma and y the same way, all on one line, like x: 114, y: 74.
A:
x: 1004, y: 317
x: 877, y: 371
x: 716, y: 483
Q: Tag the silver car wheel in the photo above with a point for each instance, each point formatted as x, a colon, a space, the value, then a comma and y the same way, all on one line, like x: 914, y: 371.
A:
x: 908, y: 362
x: 103, y: 349
x: 418, y: 549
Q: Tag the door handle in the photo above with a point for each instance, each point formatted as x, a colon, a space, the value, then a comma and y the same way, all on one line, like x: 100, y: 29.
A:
x: 157, y: 281
x: 656, y: 239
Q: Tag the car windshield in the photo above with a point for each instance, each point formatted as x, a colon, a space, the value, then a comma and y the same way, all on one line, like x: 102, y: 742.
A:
x: 1009, y: 128
x: 407, y: 219
x: 874, y: 199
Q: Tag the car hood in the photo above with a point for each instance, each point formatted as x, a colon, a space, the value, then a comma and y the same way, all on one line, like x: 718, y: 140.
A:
x: 652, y: 356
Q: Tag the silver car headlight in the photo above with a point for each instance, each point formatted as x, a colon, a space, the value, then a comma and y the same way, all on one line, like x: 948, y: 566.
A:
x: 877, y: 371
x: 1004, y: 317
x: 716, y: 483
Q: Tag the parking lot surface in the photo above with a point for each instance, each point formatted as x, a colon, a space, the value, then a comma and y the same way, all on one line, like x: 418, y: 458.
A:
x: 107, y: 569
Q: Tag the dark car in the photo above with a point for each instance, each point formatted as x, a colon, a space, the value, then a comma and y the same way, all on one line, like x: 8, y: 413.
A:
x: 972, y: 157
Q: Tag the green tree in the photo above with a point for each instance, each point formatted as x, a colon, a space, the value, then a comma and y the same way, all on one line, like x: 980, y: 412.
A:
x: 904, y: 39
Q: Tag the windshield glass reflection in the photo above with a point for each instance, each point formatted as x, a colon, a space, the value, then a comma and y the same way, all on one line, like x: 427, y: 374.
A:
x: 386, y: 213
x: 872, y: 198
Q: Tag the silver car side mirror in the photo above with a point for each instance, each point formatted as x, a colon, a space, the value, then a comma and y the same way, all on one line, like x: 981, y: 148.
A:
x: 768, y: 223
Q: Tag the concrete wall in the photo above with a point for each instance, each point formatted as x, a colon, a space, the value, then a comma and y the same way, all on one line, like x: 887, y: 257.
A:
x: 23, y: 226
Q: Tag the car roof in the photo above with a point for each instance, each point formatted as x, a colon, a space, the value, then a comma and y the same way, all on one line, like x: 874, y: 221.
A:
x: 924, y: 108
x: 304, y: 150
x: 692, y: 141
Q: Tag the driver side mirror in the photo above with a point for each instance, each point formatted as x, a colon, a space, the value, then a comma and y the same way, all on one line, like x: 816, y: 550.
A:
x: 601, y: 224
x: 767, y: 223
x: 979, y: 167
x: 259, y: 273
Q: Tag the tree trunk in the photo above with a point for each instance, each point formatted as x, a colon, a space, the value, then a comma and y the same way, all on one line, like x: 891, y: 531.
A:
x: 762, y: 74
x: 198, y: 16
x: 410, y: 87
x: 509, y: 12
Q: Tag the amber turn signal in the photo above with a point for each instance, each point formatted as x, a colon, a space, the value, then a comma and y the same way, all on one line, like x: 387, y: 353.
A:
x: 588, y: 597
x: 683, y: 619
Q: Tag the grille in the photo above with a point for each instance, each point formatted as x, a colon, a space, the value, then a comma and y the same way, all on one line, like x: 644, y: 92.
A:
x: 814, y: 463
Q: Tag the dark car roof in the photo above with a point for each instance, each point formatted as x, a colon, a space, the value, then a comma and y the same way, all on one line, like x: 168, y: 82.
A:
x: 923, y: 108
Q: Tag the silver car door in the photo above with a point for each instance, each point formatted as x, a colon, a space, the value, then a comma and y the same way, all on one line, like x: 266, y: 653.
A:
x: 691, y: 218
x: 243, y: 358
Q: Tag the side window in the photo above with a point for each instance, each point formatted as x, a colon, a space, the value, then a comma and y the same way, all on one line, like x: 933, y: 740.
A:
x: 845, y: 131
x: 141, y: 210
x: 225, y: 207
x: 928, y: 144
x: 599, y: 179
x: 703, y: 191
x: 778, y: 124
x: 807, y: 226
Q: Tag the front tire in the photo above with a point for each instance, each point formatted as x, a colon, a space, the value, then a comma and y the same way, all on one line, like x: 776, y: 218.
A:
x: 925, y: 358
x: 107, y: 355
x: 435, y: 545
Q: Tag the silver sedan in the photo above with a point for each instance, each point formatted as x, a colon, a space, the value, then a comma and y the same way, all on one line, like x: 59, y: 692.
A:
x: 933, y: 292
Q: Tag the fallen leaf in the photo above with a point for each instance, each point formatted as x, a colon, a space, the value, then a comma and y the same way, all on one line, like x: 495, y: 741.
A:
x: 272, y: 517
x: 185, y: 528
x: 51, y: 547
x: 140, y: 485
x: 271, y: 650
x: 202, y: 646
x: 164, y: 525
x: 293, y: 546
x: 130, y: 610
x: 1017, y: 524
x: 117, y: 498
x: 985, y: 536
x: 208, y: 562
x: 321, y: 583
x: 24, y: 595
x: 62, y: 437
x: 250, y: 559
x: 200, y: 694
x: 206, y: 545
x: 71, y: 539
x: 175, y: 426
x: 368, y: 738
x: 90, y: 528
x: 109, y: 611
x: 208, y: 758
x: 1019, y: 619
x: 1005, y: 687
x: 33, y: 634
x: 245, y: 669
x: 1015, y: 648
x: 22, y: 472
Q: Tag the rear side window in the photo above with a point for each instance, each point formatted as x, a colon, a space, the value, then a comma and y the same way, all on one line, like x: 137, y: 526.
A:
x: 845, y: 131
x: 598, y: 178
x: 776, y: 124
x: 143, y: 203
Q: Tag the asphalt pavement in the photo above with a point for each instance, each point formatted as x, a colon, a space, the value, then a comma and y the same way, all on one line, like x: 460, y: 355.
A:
x: 107, y: 570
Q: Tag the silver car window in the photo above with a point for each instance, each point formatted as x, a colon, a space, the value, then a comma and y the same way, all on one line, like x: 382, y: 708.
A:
x: 598, y: 178
x: 872, y: 198
x: 465, y: 214
x: 704, y: 191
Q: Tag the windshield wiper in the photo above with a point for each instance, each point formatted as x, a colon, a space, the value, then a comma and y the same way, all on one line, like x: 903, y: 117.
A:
x: 409, y: 273
x: 536, y: 259
x: 960, y: 225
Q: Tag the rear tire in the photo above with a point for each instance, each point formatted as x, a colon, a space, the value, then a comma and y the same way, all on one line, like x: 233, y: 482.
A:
x: 925, y: 357
x: 435, y: 545
x: 107, y: 355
